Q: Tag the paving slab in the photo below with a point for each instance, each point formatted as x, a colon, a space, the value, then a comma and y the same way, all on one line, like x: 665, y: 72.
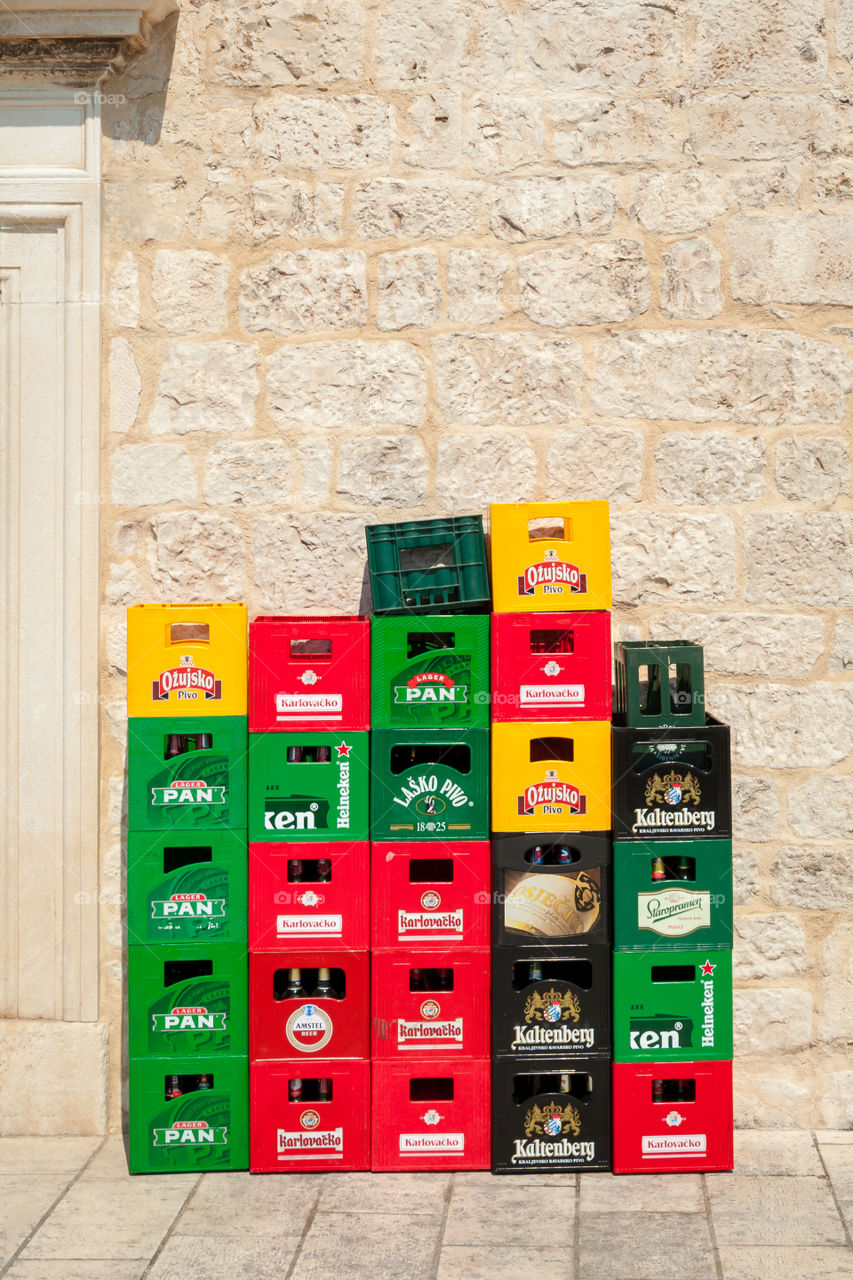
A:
x: 240, y: 1204
x: 773, y: 1211
x: 45, y: 1155
x: 62, y: 1269
x: 645, y: 1246
x: 369, y: 1246
x: 508, y: 1215
x: 497, y: 1262
x: 384, y: 1193
x: 641, y: 1193
x: 801, y: 1262
x: 776, y: 1151
x: 221, y: 1258
x: 838, y: 1160
x: 110, y: 1164
x: 837, y: 1137
x: 103, y: 1219
x: 23, y: 1201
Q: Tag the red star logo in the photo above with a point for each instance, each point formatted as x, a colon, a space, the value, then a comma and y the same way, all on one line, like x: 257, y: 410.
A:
x: 344, y: 750
x: 708, y: 969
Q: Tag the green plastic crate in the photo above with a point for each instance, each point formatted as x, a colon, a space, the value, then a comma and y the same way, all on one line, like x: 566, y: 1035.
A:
x: 429, y: 566
x: 203, y: 1131
x: 672, y: 1006
x: 430, y: 785
x: 430, y: 673
x: 185, y: 999
x: 646, y: 696
x: 199, y: 790
x: 187, y: 887
x: 689, y: 909
x: 309, y: 799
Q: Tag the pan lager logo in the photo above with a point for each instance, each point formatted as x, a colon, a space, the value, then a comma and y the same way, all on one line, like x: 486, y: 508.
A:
x: 551, y: 797
x: 187, y: 682
x: 551, y: 574
x: 309, y: 1028
x: 189, y: 1018
x: 181, y: 906
x: 430, y: 687
x: 551, y: 1120
x: 187, y: 791
x: 191, y: 1133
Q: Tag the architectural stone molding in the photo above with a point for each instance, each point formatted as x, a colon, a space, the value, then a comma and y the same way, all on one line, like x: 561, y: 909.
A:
x: 75, y: 42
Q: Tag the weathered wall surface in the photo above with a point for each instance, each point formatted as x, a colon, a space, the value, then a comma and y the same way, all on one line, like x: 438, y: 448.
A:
x: 395, y: 258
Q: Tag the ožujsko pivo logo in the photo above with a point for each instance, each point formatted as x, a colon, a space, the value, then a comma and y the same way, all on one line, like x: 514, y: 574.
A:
x: 553, y: 576
x: 187, y: 682
x: 551, y: 797
x: 677, y: 791
x: 549, y: 1132
x: 428, y: 687
x: 550, y: 1020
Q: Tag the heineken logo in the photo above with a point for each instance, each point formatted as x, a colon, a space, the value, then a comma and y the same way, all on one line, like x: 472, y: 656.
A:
x: 187, y: 791
x: 310, y: 1144
x: 660, y: 1033
x: 429, y: 797
x: 551, y: 798
x: 191, y: 1133
x: 189, y: 1018
x: 295, y: 815
x: 430, y: 687
x: 674, y: 913
x: 309, y: 1028
x: 553, y: 575
x: 187, y: 682
x: 707, y: 979
x: 188, y: 906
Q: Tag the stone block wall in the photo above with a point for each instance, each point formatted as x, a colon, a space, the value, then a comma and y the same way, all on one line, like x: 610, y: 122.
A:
x: 394, y: 258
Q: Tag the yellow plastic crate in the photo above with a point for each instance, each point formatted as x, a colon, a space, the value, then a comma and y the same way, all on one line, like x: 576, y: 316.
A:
x: 551, y: 776
x: 561, y: 565
x: 187, y: 660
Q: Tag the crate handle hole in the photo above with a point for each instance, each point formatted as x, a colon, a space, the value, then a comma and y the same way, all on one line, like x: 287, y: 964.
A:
x: 549, y: 529
x: 189, y: 633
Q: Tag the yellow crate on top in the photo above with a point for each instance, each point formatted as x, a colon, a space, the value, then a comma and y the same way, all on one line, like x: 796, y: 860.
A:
x: 551, y: 776
x: 187, y: 660
x: 550, y: 556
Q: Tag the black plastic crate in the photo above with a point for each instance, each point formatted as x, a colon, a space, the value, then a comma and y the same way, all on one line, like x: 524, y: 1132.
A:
x: 551, y: 889
x: 554, y: 1002
x: 429, y: 566
x: 672, y: 783
x: 551, y: 1116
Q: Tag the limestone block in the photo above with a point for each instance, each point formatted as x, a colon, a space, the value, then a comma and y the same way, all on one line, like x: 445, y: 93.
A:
x: 690, y: 288
x: 544, y: 208
x: 283, y: 207
x: 189, y: 287
x: 784, y: 727
x: 349, y: 131
x: 764, y: 377
x: 194, y: 556
x: 772, y: 1020
x: 347, y: 383
x: 123, y: 295
x: 766, y: 126
x: 804, y: 258
x: 768, y: 945
x: 314, y: 455
x: 506, y: 378
x: 822, y: 808
x: 248, y: 473
x: 759, y: 43
x: 833, y: 181
x: 125, y: 386
x: 146, y: 475
x: 474, y: 281
x: 474, y: 470
x: 284, y: 42
x: 122, y: 584
x: 837, y: 965
x: 383, y: 471
x: 837, y: 1101
x: 206, y: 387
x: 841, y: 657
x: 709, y: 467
x: 422, y: 42
x: 661, y: 558
x: 812, y: 469
x: 439, y: 210
x: 593, y: 462
x: 757, y: 186
x: 36, y: 1098
x: 304, y: 292
x: 432, y: 130
x: 502, y: 133
x: 844, y: 28
x: 793, y: 559
x: 746, y: 878
x: 409, y: 292
x: 115, y: 648
x: 639, y: 131
x: 598, y: 283
x: 812, y: 877
x: 306, y: 564
x: 673, y: 203
x: 768, y: 1100
x: 621, y: 45
x: 776, y: 645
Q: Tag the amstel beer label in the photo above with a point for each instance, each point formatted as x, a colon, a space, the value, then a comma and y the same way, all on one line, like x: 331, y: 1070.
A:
x: 309, y: 1028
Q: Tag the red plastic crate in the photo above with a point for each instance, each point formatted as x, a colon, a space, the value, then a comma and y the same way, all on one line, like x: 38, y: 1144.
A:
x: 316, y: 1132
x: 293, y: 900
x: 309, y: 672
x: 430, y: 893
x: 430, y: 1114
x: 552, y: 666
x: 297, y: 1028
x: 671, y: 1117
x: 446, y: 1013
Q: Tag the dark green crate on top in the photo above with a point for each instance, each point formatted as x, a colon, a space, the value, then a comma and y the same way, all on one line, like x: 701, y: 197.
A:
x: 186, y: 999
x: 672, y: 895
x: 659, y: 686
x: 187, y: 886
x: 430, y: 673
x: 672, y: 1006
x: 205, y: 1130
x: 200, y: 789
x: 308, y: 798
x: 429, y: 784
x: 429, y: 566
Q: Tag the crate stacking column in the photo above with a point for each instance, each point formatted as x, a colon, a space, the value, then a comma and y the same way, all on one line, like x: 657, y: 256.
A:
x: 429, y: 845
x: 309, y: 894
x: 187, y: 888
x: 551, y: 839
x: 672, y: 964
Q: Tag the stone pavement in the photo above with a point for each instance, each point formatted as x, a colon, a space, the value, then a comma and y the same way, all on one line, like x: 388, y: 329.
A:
x: 70, y: 1211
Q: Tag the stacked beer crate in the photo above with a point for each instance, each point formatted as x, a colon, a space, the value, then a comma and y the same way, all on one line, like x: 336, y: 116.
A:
x: 186, y: 888
x: 429, y: 850
x: 551, y: 841
x: 672, y: 964
x: 309, y: 897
